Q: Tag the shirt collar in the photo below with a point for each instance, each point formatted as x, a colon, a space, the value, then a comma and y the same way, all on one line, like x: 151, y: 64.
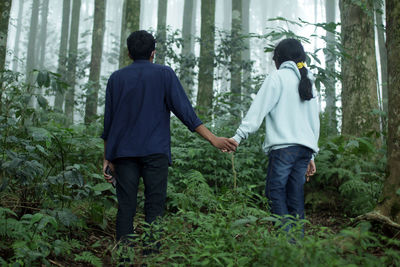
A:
x: 141, y: 61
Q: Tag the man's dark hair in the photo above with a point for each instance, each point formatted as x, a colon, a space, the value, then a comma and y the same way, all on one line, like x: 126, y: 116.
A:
x: 140, y: 45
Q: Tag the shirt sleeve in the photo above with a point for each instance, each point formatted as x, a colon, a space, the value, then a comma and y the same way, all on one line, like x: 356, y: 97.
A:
x: 178, y: 102
x: 316, y: 122
x: 108, y: 114
x: 266, y: 99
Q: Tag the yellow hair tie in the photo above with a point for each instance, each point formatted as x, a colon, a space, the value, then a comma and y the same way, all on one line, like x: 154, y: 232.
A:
x: 300, y: 65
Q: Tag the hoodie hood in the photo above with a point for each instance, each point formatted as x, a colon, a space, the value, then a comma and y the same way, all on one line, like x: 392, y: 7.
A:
x: 291, y: 65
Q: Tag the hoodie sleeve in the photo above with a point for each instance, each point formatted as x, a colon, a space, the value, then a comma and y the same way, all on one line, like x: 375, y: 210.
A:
x: 264, y: 102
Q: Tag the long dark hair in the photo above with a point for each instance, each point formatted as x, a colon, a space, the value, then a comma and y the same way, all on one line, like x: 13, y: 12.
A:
x: 291, y: 49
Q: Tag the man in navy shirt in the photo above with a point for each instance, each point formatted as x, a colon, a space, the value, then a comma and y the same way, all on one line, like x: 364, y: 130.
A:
x: 137, y: 141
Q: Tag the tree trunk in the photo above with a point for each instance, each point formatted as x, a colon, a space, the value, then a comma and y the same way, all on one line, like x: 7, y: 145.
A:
x: 236, y: 57
x: 130, y: 23
x: 62, y: 54
x: 246, y: 42
x: 359, y: 74
x: 206, y: 64
x: 95, y: 63
x: 18, y: 35
x: 71, y: 62
x: 43, y: 34
x: 5, y: 7
x: 30, y: 58
x: 390, y: 205
x: 382, y: 53
x: 161, y: 31
x: 330, y: 60
x: 186, y: 74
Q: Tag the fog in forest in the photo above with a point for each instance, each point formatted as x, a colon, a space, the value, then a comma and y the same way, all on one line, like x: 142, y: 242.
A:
x: 259, y: 13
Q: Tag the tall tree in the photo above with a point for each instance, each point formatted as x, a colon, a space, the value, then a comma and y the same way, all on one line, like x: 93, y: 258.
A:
x: 390, y: 206
x: 5, y: 7
x: 71, y: 62
x: 130, y: 23
x: 330, y: 60
x: 30, y: 58
x: 187, y: 63
x: 18, y: 35
x: 246, y: 41
x: 43, y: 34
x: 359, y: 73
x: 95, y: 63
x: 382, y: 51
x: 161, y: 31
x: 62, y: 54
x: 206, y: 64
x: 236, y: 55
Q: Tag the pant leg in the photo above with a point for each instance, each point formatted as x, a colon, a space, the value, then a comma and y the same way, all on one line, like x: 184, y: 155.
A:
x: 295, y: 184
x: 155, y: 173
x: 128, y: 173
x: 280, y: 164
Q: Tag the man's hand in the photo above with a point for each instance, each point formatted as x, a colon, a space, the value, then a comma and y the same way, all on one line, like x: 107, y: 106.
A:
x: 224, y: 144
x: 233, y: 141
x: 311, y: 169
x: 107, y: 176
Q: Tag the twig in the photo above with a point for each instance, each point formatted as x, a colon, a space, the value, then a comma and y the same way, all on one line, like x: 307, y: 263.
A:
x: 233, y: 170
x: 56, y: 263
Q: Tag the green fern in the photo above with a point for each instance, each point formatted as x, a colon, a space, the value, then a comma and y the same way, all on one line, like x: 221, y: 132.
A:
x: 88, y: 257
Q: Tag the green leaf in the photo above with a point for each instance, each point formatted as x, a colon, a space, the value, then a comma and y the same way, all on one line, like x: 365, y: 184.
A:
x: 102, y: 187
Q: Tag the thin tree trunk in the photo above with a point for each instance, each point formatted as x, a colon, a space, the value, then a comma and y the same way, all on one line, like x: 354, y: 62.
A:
x: 161, y: 31
x: 5, y: 7
x: 382, y: 52
x: 18, y: 35
x: 390, y: 206
x: 330, y: 59
x: 359, y: 73
x: 130, y: 23
x: 71, y: 62
x: 186, y: 66
x: 206, y: 64
x: 95, y: 63
x: 62, y: 54
x: 246, y: 42
x: 43, y: 34
x: 236, y: 57
x: 30, y: 58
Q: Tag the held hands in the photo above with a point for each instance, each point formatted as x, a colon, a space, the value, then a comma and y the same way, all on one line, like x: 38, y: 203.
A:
x: 224, y: 144
x: 311, y: 169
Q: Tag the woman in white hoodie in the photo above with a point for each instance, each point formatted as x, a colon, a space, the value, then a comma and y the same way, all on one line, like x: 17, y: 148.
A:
x: 287, y: 101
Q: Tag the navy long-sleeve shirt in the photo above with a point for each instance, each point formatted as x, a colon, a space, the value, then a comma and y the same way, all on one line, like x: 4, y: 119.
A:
x: 139, y: 99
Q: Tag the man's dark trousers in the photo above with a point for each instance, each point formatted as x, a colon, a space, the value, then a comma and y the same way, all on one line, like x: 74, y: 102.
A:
x: 154, y: 170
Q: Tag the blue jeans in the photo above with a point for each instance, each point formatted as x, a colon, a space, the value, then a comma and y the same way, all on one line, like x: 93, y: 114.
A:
x: 285, y: 180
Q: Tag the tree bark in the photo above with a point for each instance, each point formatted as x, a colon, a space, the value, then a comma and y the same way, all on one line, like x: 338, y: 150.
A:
x: 30, y: 58
x: 18, y: 35
x: 206, y: 64
x: 161, y: 31
x: 330, y: 60
x: 236, y: 57
x: 71, y: 61
x: 390, y: 204
x: 359, y: 73
x: 62, y: 54
x: 130, y: 23
x: 186, y: 74
x: 382, y: 53
x: 95, y: 63
x: 5, y: 7
x: 43, y: 34
x: 246, y: 42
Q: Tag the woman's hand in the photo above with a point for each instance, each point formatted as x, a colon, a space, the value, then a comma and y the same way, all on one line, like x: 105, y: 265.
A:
x: 311, y: 169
